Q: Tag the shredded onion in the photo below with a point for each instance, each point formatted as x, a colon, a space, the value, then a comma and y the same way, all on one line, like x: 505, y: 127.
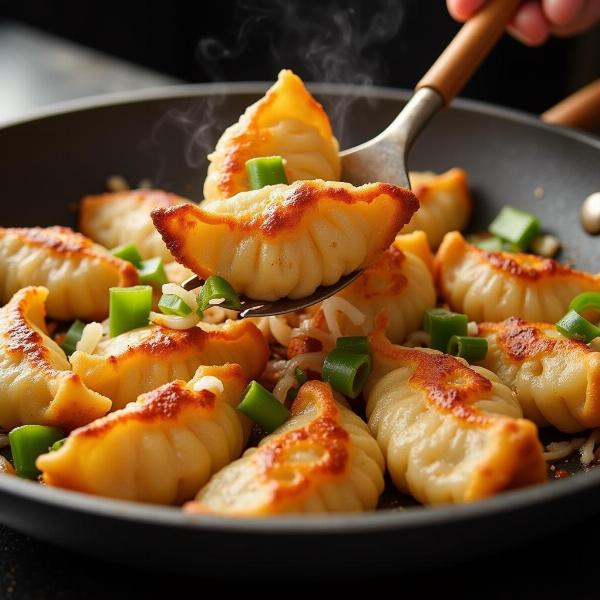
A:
x: 558, y: 450
x: 417, y: 339
x: 311, y: 360
x: 188, y: 297
x: 332, y: 306
x: 173, y: 321
x: 218, y: 314
x: 90, y: 337
x: 587, y: 449
x: 209, y: 383
x: 472, y: 328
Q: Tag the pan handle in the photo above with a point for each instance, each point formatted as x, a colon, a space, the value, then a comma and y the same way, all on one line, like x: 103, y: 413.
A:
x: 580, y: 110
x: 470, y: 46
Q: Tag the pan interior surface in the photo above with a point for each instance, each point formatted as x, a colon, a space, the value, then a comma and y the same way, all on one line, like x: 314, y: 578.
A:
x: 50, y: 162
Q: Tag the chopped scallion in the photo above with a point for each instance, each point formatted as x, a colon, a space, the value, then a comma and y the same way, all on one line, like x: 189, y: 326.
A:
x: 152, y: 272
x: 347, y: 372
x: 58, y: 445
x: 467, y: 347
x: 515, y: 226
x: 266, y: 170
x: 170, y: 304
x: 489, y: 243
x: 73, y: 335
x: 262, y: 407
x: 129, y: 253
x: 27, y: 443
x: 585, y: 301
x: 575, y: 327
x: 300, y: 376
x: 129, y: 308
x: 217, y: 291
x: 441, y: 325
x: 354, y: 343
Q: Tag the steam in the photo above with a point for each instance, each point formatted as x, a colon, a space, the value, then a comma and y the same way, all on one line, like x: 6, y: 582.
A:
x: 329, y: 41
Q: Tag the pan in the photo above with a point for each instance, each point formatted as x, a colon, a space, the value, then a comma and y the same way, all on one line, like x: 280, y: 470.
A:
x: 50, y: 160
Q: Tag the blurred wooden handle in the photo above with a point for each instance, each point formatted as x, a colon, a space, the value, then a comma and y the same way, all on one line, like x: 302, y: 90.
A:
x: 469, y: 47
x: 580, y: 110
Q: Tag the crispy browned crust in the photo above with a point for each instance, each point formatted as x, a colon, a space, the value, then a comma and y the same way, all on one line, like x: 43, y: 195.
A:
x: 285, y: 216
x: 163, y: 403
x: 324, y: 432
x: 448, y: 384
x: 303, y: 344
x: 521, y: 340
x: 21, y: 340
x: 167, y: 341
x: 65, y: 243
x: 242, y: 147
x: 527, y: 267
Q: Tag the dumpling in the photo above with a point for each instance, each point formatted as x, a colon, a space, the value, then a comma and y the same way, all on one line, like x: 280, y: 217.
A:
x: 77, y: 273
x: 140, y: 360
x: 399, y: 283
x: 37, y: 386
x: 557, y: 380
x: 286, y: 122
x: 323, y: 459
x: 445, y: 203
x: 286, y: 240
x: 449, y: 433
x: 160, y: 449
x: 124, y: 218
x: 493, y: 286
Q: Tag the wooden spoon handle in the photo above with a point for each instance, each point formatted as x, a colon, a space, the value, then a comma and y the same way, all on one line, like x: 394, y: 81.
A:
x: 581, y: 109
x: 469, y: 47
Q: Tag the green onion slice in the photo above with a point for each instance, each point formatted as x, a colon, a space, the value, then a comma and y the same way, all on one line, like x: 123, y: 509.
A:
x: 489, y: 244
x: 266, y: 170
x: 441, y: 325
x: 354, y: 343
x: 262, y: 407
x: 58, y: 445
x: 585, y: 301
x: 300, y: 375
x: 152, y: 272
x: 129, y: 308
x: 575, y: 327
x: 347, y: 372
x: 73, y: 335
x: 170, y: 304
x: 27, y: 443
x: 129, y: 253
x: 515, y: 226
x: 467, y: 347
x: 217, y: 291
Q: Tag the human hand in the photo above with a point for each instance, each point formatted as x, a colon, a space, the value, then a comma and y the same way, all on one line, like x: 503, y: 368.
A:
x: 536, y: 20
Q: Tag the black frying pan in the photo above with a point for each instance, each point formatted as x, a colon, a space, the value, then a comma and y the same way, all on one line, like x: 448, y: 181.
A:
x: 50, y: 161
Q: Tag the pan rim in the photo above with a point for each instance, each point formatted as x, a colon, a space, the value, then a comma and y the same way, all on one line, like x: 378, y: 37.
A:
x: 391, y: 520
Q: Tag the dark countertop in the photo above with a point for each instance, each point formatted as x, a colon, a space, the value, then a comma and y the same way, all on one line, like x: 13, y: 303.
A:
x: 35, y: 70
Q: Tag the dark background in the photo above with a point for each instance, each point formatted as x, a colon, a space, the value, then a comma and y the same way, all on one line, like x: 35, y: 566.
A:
x: 383, y: 42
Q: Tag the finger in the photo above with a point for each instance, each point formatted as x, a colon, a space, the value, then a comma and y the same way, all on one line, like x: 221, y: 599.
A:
x: 561, y: 13
x: 462, y: 10
x: 589, y: 16
x: 529, y: 25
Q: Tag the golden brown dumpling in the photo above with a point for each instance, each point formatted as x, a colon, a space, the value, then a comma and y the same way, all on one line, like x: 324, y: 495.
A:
x: 557, y: 380
x: 449, y: 433
x: 160, y: 449
x: 140, y: 360
x: 37, y: 386
x: 124, y: 218
x: 399, y: 283
x: 283, y: 240
x: 286, y: 122
x: 493, y: 286
x: 445, y: 204
x: 76, y: 272
x: 323, y: 459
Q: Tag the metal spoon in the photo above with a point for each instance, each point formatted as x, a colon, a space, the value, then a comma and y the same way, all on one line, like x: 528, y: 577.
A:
x: 384, y: 157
